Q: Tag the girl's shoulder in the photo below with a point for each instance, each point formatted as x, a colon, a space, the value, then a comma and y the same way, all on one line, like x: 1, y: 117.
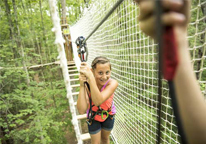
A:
x: 112, y: 82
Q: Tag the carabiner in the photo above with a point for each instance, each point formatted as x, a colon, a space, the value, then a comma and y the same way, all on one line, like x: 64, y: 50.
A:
x: 82, y: 48
x: 102, y: 114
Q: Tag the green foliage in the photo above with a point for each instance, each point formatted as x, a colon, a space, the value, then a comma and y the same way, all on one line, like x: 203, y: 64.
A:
x: 76, y: 10
x: 37, y: 113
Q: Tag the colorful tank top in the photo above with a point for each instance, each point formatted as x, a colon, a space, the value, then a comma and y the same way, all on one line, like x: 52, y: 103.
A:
x: 109, y: 103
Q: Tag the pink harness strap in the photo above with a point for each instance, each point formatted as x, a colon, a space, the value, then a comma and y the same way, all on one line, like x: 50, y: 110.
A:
x: 104, y: 105
x: 105, y: 85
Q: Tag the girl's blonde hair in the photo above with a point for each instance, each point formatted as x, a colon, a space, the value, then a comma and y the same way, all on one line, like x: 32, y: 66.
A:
x: 100, y: 60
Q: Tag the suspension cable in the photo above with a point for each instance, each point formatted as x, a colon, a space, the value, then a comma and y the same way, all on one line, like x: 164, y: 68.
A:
x: 104, y: 19
x: 159, y: 47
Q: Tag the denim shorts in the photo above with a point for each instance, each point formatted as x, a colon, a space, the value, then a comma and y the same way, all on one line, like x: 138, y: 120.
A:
x: 96, y: 126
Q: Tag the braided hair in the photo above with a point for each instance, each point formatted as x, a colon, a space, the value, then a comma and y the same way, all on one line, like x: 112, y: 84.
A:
x: 100, y: 60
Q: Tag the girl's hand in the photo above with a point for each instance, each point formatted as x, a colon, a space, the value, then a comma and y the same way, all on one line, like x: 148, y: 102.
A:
x: 176, y: 12
x: 85, y: 70
x: 82, y: 79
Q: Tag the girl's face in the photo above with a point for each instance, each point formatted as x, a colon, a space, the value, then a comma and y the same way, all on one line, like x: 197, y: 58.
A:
x: 102, y: 73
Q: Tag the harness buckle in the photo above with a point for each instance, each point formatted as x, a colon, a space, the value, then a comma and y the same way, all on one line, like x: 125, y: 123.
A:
x: 112, y: 116
x: 89, y: 122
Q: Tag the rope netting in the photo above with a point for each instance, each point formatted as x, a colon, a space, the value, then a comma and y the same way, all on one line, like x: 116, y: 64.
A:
x: 133, y: 56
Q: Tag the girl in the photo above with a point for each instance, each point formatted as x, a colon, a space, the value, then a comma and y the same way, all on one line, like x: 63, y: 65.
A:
x: 99, y: 101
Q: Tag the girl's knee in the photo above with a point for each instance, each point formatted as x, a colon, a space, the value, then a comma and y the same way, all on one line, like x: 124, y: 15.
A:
x: 105, y: 140
x: 95, y: 142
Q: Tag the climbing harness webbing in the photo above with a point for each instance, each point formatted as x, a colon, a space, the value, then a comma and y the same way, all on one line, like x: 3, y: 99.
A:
x: 91, y: 114
x: 168, y: 62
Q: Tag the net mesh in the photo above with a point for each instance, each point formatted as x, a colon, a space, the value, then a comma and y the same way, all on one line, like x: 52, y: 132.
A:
x: 133, y: 57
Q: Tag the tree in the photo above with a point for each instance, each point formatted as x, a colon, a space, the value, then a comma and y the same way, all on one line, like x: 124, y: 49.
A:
x: 33, y: 103
x: 67, y: 45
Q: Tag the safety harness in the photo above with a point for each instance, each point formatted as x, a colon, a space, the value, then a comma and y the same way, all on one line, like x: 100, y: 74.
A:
x: 91, y: 114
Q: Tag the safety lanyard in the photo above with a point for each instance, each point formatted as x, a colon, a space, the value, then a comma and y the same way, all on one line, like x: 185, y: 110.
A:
x: 168, y: 61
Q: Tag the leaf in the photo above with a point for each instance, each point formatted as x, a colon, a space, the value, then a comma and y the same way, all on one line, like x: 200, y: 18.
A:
x: 12, y: 125
x: 27, y: 139
x: 36, y: 55
x: 19, y: 121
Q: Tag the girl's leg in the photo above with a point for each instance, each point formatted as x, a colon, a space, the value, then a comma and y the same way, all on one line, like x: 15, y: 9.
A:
x: 95, y: 138
x: 107, y: 127
x: 95, y: 132
x: 105, y: 136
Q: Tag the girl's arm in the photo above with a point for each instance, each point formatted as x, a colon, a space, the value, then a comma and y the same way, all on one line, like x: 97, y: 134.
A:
x: 82, y: 101
x: 190, y: 100
x: 98, y: 97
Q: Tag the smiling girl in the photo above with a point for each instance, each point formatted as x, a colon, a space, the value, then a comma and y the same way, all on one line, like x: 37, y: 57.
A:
x: 98, y: 102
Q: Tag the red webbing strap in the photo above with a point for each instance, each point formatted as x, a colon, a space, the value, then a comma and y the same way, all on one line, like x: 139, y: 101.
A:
x: 170, y: 55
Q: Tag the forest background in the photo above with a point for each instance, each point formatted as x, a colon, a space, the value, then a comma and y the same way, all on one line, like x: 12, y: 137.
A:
x: 33, y: 103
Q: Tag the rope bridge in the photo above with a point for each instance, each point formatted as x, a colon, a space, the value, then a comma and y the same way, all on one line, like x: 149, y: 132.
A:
x: 133, y: 57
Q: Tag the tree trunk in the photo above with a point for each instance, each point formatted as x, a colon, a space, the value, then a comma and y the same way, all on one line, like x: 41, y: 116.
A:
x: 43, y: 30
x: 70, y: 51
x: 63, y: 2
x: 67, y: 44
x: 38, y: 49
x: 30, y: 27
x: 29, y: 23
x: 11, y: 29
x: 19, y: 44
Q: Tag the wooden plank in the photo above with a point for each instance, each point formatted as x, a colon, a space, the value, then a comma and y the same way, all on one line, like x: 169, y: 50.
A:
x: 85, y: 136
x: 64, y: 25
x: 57, y: 62
x: 70, y: 63
x: 84, y: 116
x: 69, y: 67
x: 41, y: 65
x: 74, y: 80
x: 73, y: 70
x: 75, y: 93
x: 77, y: 85
x: 77, y: 74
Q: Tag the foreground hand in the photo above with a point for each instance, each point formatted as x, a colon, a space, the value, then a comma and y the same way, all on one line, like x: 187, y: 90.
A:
x: 176, y: 12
